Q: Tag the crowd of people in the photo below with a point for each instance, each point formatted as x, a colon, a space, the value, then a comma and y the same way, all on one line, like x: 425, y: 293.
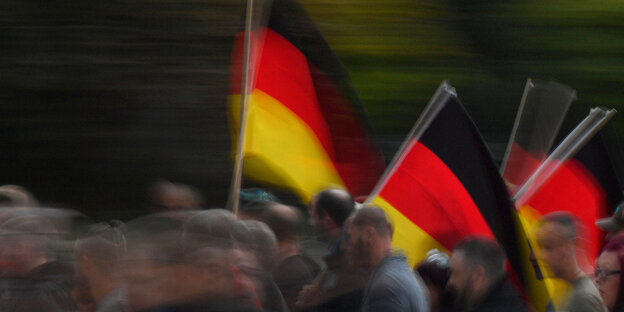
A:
x: 181, y: 258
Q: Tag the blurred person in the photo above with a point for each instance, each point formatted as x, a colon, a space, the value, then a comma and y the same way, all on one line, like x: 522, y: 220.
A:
x: 608, y: 274
x: 435, y: 272
x: 339, y: 286
x: 16, y: 196
x: 613, y: 225
x: 294, y: 269
x: 81, y: 293
x: 167, y: 196
x: 185, y: 264
x: 149, y: 265
x: 391, y: 285
x: 257, y: 257
x: 98, y: 254
x: 478, y: 278
x: 33, y: 278
x: 557, y: 236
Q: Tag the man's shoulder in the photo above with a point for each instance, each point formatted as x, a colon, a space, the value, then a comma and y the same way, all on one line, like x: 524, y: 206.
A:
x: 395, y: 285
x: 585, y: 297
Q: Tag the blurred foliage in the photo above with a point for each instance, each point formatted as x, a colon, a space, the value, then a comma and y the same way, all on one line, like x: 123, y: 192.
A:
x: 97, y: 99
x: 399, y: 50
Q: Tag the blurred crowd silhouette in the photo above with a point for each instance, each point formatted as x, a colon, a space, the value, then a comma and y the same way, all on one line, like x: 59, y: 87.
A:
x: 180, y: 257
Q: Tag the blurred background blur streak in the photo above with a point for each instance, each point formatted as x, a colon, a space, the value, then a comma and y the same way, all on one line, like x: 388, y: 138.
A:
x: 100, y: 99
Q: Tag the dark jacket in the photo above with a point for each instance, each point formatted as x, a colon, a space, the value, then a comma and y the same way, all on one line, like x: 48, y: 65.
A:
x: 503, y: 296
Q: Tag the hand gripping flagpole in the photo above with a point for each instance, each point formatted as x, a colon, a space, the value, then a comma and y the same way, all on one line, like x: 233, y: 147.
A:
x: 432, y: 109
x: 233, y: 199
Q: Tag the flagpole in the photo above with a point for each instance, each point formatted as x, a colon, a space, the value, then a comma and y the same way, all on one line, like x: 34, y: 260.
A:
x: 233, y: 198
x: 431, y: 110
x: 585, y: 130
x: 525, y: 94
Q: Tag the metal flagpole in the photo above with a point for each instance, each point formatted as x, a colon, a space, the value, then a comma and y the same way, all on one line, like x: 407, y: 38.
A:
x: 583, y: 132
x: 233, y: 198
x: 431, y: 111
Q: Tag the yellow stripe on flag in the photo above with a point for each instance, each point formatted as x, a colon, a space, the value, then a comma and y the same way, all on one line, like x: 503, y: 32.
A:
x: 541, y: 292
x: 281, y: 149
x: 408, y: 236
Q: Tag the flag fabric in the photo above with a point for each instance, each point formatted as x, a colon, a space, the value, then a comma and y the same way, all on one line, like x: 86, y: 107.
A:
x: 447, y: 187
x: 542, y: 110
x: 585, y: 186
x: 306, y: 129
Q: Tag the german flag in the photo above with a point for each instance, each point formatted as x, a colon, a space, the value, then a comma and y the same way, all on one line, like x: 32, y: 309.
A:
x: 306, y: 129
x: 446, y: 186
x: 585, y: 186
x: 542, y: 110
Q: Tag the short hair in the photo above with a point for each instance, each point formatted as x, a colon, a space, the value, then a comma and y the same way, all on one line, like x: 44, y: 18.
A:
x: 212, y: 228
x: 336, y: 203
x: 566, y: 220
x: 283, y: 221
x: 258, y: 238
x: 485, y: 252
x: 374, y: 217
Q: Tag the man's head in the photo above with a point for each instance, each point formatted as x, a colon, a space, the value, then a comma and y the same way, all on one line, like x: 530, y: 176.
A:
x: 283, y: 221
x: 16, y: 196
x: 368, y: 237
x: 329, y: 210
x: 476, y: 264
x: 556, y: 237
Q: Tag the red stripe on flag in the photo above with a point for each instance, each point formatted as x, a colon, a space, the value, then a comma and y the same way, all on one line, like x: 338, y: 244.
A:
x: 427, y: 192
x: 284, y: 74
x: 574, y: 189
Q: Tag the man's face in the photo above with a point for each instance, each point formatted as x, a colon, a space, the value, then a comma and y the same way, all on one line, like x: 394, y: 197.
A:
x: 553, y: 248
x: 460, y: 281
x: 318, y: 221
x: 354, y: 245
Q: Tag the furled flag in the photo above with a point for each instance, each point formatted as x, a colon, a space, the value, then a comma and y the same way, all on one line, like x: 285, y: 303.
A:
x: 306, y: 130
x: 444, y: 184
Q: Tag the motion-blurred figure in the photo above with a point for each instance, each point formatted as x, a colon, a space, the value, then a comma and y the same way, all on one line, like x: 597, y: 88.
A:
x: 33, y: 278
x: 557, y: 237
x: 294, y: 269
x: 391, y: 285
x: 339, y: 286
x: 16, y: 196
x: 478, y: 278
x: 165, y: 196
x: 435, y: 271
x: 256, y: 248
x: 608, y: 275
x: 98, y: 255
